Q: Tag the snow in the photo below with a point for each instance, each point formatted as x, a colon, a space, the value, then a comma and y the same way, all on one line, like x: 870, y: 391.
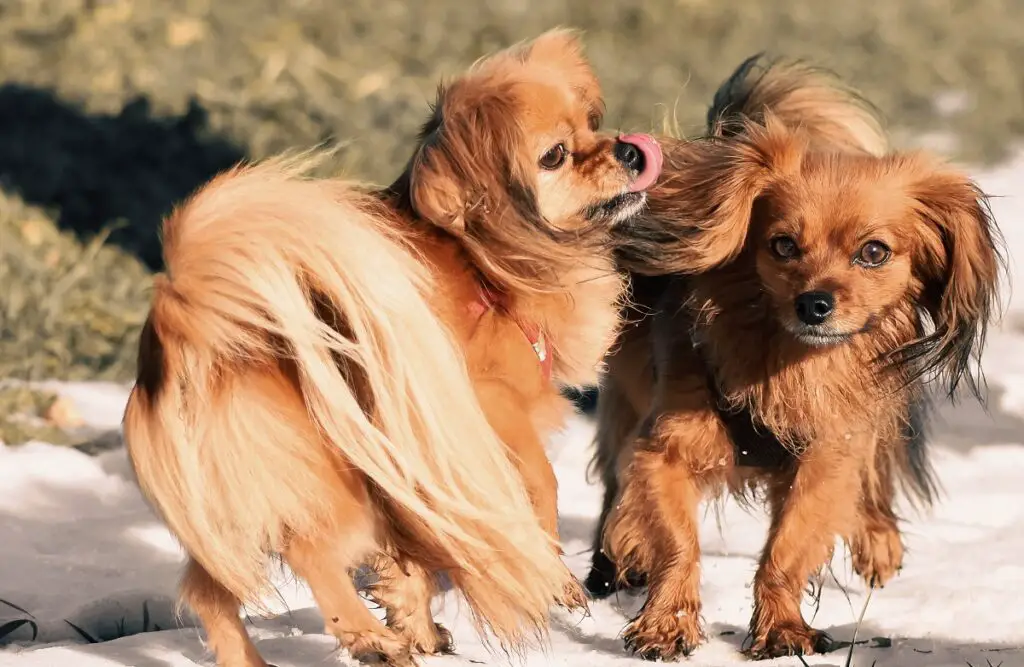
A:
x: 79, y: 546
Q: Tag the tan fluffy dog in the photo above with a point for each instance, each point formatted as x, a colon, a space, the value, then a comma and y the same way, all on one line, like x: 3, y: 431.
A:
x: 339, y: 376
x: 817, y: 279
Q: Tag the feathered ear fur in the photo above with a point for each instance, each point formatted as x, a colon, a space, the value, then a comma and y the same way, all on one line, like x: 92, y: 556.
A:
x: 699, y: 214
x: 467, y: 160
x: 959, y: 265
x: 434, y: 190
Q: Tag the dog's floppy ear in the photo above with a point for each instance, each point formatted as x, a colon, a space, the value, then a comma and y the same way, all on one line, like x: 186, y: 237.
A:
x: 700, y: 212
x: 436, y: 192
x: 467, y: 164
x: 959, y: 265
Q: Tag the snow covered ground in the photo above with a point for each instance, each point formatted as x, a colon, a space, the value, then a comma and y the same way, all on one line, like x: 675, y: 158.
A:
x: 78, y: 547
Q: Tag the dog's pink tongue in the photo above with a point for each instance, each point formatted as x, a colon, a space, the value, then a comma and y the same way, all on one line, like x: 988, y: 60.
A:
x: 653, y: 160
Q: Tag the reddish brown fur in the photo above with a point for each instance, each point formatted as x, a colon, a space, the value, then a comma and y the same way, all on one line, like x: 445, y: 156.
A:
x: 314, y: 381
x: 720, y: 352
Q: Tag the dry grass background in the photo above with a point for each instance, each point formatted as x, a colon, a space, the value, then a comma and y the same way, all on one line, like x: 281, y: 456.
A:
x: 112, y: 110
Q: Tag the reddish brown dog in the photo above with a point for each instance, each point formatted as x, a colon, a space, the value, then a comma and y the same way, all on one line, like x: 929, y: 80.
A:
x: 815, y: 281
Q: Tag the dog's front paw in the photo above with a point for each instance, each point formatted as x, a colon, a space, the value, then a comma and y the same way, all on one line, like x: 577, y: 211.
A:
x: 787, y: 639
x: 877, y: 554
x: 432, y: 639
x: 665, y: 637
x: 444, y: 644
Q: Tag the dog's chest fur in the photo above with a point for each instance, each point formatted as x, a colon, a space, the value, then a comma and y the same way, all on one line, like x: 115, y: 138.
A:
x: 576, y: 323
x: 583, y: 321
x: 797, y: 392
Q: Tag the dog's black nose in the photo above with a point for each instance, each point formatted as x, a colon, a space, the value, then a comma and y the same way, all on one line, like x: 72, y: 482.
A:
x: 629, y: 155
x: 814, y: 307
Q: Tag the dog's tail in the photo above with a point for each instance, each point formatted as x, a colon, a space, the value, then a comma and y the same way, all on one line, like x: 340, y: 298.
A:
x: 810, y: 99
x: 271, y: 273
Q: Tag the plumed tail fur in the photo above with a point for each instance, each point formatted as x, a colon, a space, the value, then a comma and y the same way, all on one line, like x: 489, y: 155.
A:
x: 815, y: 100
x: 282, y: 286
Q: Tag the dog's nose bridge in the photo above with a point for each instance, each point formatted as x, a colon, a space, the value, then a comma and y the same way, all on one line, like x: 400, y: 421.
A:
x: 823, y: 282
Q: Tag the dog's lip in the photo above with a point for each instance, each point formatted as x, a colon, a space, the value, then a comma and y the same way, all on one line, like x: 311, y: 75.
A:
x: 821, y: 337
x: 654, y: 160
x: 814, y: 338
x: 613, y: 204
x: 622, y: 198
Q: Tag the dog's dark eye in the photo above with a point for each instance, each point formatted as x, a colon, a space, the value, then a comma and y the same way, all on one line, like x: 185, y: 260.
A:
x: 784, y: 247
x: 873, y: 253
x: 554, y: 158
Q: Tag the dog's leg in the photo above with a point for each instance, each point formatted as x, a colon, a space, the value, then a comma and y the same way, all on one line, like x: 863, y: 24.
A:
x: 616, y: 432
x: 405, y: 590
x: 521, y: 437
x: 877, y: 547
x: 217, y: 610
x: 811, y: 505
x: 669, y: 625
x: 604, y: 579
x: 654, y: 529
x: 321, y: 562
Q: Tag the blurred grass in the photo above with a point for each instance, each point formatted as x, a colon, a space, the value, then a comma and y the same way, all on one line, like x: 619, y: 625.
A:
x: 114, y: 109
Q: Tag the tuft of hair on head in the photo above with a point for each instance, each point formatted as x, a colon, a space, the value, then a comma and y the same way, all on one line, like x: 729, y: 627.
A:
x: 765, y: 116
x: 700, y: 211
x: 810, y: 99
x: 561, y: 50
x: 558, y: 52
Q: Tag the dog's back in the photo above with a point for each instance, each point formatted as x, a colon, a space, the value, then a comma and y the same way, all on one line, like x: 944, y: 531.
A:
x: 296, y: 387
x: 810, y: 99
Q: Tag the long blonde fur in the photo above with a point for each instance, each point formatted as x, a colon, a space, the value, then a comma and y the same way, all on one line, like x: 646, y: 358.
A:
x: 250, y: 260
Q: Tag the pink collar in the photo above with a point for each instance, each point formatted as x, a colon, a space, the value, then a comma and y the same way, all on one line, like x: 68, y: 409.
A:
x: 488, y: 300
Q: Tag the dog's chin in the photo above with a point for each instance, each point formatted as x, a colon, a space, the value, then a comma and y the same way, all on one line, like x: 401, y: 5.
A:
x: 817, y: 336
x: 618, y: 209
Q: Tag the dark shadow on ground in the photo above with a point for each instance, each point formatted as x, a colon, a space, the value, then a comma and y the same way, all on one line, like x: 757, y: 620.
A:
x: 63, y: 554
x: 101, y: 169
